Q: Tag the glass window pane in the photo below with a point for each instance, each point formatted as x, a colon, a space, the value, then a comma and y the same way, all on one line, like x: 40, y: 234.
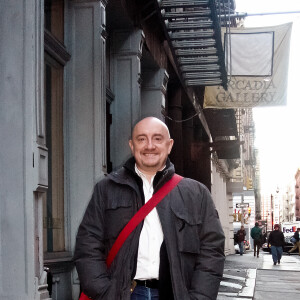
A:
x: 54, y: 202
x: 54, y: 18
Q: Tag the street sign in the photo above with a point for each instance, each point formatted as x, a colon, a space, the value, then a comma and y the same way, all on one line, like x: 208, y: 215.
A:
x: 242, y: 205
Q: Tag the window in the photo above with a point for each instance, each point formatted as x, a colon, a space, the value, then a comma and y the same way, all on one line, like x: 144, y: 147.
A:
x: 56, y: 57
x: 54, y: 18
x: 54, y: 200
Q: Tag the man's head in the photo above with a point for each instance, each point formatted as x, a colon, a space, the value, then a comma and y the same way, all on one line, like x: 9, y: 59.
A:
x: 242, y: 227
x: 298, y: 229
x: 256, y: 224
x: 276, y: 227
x: 150, y: 145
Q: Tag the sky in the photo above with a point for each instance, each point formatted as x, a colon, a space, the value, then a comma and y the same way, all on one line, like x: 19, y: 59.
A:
x: 278, y: 128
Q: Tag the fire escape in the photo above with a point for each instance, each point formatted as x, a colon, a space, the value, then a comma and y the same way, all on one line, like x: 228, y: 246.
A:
x: 193, y: 31
x: 194, y: 36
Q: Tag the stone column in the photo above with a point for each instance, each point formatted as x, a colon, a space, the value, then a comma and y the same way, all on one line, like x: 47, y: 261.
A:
x: 126, y: 79
x: 154, y: 84
x: 175, y: 96
x: 85, y: 110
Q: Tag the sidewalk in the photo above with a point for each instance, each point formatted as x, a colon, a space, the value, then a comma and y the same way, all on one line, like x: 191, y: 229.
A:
x: 278, y: 282
x: 239, y: 277
x: 250, y: 278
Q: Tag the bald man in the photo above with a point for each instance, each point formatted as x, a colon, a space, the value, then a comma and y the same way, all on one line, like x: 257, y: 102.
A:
x: 177, y: 252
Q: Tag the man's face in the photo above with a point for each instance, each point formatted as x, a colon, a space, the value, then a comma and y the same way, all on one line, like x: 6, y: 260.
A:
x: 150, y: 145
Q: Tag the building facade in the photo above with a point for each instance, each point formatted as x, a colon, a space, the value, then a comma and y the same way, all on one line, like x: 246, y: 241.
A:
x: 76, y: 76
x: 244, y: 212
x: 297, y: 196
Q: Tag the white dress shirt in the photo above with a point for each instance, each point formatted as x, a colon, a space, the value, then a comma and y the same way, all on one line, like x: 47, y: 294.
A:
x: 151, y: 238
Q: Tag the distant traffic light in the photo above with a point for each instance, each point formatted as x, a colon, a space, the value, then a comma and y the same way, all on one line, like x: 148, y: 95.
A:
x: 239, y: 216
x: 249, y: 184
x: 249, y: 211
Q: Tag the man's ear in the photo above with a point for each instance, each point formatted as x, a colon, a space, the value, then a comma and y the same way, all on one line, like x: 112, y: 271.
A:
x: 131, y: 145
x: 171, y: 143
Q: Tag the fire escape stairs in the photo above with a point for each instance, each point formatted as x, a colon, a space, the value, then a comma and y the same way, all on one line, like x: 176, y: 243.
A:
x: 194, y: 36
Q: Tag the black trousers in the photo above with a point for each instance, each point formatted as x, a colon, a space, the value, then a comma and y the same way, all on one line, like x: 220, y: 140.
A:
x: 256, y: 247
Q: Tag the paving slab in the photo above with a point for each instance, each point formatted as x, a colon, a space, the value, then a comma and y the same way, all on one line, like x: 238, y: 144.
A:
x: 288, y: 263
x: 277, y: 284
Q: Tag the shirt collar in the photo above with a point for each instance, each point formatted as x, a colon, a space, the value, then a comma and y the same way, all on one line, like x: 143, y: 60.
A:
x: 142, y: 175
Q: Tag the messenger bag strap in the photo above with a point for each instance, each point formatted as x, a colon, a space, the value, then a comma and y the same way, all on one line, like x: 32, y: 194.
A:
x: 138, y: 218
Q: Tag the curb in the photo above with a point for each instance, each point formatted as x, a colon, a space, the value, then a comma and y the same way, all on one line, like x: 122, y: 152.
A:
x: 247, y: 291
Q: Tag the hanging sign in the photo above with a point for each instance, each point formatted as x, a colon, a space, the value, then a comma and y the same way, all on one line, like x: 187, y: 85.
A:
x: 257, y: 62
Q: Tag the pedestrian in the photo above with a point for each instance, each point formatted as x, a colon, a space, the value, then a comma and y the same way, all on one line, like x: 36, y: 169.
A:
x: 257, y: 237
x: 177, y: 252
x: 241, y: 234
x: 276, y: 240
x: 297, y: 243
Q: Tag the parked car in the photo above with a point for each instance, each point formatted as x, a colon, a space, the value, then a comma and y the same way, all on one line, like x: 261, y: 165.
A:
x: 266, y: 248
x: 288, y: 229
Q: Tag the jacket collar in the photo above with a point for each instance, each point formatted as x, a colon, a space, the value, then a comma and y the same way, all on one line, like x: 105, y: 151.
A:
x: 128, y: 172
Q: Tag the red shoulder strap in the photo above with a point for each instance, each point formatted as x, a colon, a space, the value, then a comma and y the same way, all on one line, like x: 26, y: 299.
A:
x: 137, y: 218
x: 84, y: 297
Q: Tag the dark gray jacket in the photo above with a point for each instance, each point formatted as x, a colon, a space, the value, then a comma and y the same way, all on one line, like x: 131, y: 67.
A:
x: 193, y: 237
x: 276, y: 238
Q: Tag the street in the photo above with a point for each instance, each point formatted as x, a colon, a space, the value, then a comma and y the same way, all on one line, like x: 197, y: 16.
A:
x: 249, y: 277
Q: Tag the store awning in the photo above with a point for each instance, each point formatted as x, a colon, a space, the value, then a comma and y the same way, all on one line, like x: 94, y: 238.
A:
x: 223, y: 128
x: 227, y: 149
x: 221, y: 122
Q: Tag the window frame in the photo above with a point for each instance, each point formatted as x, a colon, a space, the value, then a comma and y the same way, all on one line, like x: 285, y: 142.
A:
x: 56, y: 54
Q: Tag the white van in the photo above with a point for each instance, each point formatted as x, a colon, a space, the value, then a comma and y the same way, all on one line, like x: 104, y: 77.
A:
x: 288, y: 229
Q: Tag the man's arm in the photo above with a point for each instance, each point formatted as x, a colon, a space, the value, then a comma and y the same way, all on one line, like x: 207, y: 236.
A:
x: 283, y: 240
x: 90, y: 251
x: 210, y: 262
x: 270, y: 239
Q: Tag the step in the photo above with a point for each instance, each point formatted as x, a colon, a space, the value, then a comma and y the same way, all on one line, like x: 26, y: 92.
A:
x: 192, y: 34
x: 206, y: 82
x: 200, y: 68
x: 196, y: 52
x: 198, y: 60
x: 194, y: 44
x: 182, y: 3
x: 186, y: 14
x: 202, y: 75
x: 183, y: 25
